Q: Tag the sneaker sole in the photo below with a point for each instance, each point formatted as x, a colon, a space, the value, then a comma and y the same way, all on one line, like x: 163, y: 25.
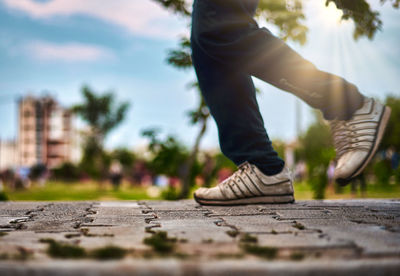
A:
x: 378, y: 139
x: 275, y: 199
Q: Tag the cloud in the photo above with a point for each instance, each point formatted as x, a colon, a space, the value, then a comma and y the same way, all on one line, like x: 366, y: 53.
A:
x: 143, y: 17
x: 68, y: 52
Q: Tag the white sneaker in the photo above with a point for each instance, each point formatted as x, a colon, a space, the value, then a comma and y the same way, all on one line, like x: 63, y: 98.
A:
x: 357, y: 140
x: 248, y: 185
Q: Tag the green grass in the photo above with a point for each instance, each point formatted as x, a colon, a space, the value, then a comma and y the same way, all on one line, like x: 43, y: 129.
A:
x: 303, y: 191
x: 261, y: 251
x: 54, y: 191
x: 78, y: 191
x: 67, y: 251
x: 297, y: 256
x: 247, y: 238
x: 160, y: 242
x: 109, y: 253
x: 64, y: 251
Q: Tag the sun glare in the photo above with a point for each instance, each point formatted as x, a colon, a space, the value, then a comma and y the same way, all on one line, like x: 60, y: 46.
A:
x: 331, y: 15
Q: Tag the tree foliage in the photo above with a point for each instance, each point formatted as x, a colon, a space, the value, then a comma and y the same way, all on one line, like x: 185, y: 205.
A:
x: 392, y: 135
x: 169, y: 155
x: 181, y: 57
x: 176, y: 6
x: 124, y: 156
x: 366, y: 21
x: 316, y: 148
x: 288, y: 16
x: 102, y: 114
x: 316, y: 143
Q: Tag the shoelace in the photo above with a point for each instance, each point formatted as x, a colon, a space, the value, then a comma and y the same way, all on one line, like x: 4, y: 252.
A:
x: 234, y: 178
x: 346, y: 138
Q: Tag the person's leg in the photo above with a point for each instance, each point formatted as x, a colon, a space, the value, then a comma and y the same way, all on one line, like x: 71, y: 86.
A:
x: 226, y: 31
x: 230, y: 96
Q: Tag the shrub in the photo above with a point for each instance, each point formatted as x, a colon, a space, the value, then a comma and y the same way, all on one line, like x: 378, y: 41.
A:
x: 67, y: 172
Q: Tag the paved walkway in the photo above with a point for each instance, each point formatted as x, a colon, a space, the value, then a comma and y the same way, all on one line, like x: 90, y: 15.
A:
x: 183, y: 238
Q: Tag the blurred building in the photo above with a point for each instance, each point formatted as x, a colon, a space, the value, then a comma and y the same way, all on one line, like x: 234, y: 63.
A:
x: 45, y: 132
x: 8, y: 154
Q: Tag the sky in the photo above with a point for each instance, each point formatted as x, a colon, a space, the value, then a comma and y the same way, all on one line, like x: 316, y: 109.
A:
x: 57, y: 46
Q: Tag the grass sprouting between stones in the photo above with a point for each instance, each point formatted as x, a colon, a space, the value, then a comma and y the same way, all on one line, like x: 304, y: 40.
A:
x: 64, y: 251
x: 160, y: 242
x: 22, y: 255
x: 298, y: 225
x: 85, y: 232
x: 2, y: 234
x: 249, y: 245
x: 108, y: 253
x: 67, y: 251
x: 70, y: 236
x: 261, y: 251
x: 297, y: 256
x: 232, y: 233
x: 208, y: 241
x: 222, y: 256
x: 247, y: 238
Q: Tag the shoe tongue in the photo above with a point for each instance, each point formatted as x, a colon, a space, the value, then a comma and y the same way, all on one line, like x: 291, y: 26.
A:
x: 366, y: 108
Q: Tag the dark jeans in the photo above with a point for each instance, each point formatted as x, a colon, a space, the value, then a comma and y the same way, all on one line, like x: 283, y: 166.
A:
x: 228, y: 47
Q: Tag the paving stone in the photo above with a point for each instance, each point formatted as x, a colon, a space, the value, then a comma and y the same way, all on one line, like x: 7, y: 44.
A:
x: 195, y: 230
x: 301, y: 240
x: 59, y: 217
x: 354, y: 236
x: 172, y: 205
x: 128, y: 237
x: 238, y: 210
x: 371, y: 238
x: 18, y: 208
x: 259, y: 224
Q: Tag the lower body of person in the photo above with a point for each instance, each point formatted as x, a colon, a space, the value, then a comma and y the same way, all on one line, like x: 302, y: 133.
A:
x: 228, y: 48
x: 116, y: 180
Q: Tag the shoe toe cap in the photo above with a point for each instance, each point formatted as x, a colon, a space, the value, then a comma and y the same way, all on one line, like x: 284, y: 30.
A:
x: 209, y: 193
x: 349, y: 163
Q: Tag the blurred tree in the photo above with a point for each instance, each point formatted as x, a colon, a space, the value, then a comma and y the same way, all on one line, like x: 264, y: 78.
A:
x: 392, y: 135
x: 279, y: 147
x: 220, y: 162
x: 288, y: 16
x: 169, y: 156
x: 102, y: 114
x: 382, y: 171
x: 198, y: 116
x: 384, y: 166
x: 317, y: 150
x: 66, y: 172
x: 124, y: 156
x: 366, y: 21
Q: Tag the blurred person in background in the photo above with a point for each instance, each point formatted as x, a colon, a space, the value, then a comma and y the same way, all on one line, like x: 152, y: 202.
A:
x: 116, y: 174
